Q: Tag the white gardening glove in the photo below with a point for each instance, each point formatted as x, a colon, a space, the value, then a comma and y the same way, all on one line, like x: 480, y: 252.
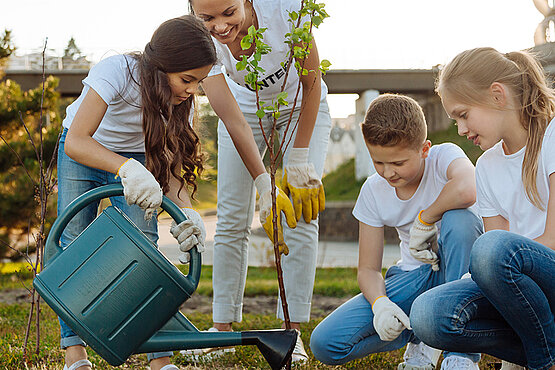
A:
x: 389, y: 319
x: 301, y: 181
x: 264, y: 187
x: 423, y: 242
x: 140, y: 187
x: 189, y: 233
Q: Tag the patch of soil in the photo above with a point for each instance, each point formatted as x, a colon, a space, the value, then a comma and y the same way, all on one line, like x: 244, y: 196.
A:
x: 262, y: 305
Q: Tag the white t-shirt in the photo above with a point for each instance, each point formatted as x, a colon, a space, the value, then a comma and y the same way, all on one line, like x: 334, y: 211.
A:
x: 378, y: 204
x: 121, y: 128
x: 272, y: 14
x: 500, y: 190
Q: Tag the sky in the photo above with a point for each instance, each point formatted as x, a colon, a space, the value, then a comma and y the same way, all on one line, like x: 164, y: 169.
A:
x: 360, y: 34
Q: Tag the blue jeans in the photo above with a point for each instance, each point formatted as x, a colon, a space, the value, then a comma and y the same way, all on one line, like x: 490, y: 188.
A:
x: 348, y: 332
x: 505, y: 310
x: 75, y: 179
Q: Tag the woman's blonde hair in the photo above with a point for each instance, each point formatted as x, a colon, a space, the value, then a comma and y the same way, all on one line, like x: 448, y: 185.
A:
x: 468, y: 77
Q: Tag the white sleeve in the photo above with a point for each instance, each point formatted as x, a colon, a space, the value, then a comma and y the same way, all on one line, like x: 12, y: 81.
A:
x: 365, y: 209
x: 110, y: 77
x: 216, y: 69
x: 486, y: 206
x: 291, y: 6
x: 445, y: 154
x: 548, y: 149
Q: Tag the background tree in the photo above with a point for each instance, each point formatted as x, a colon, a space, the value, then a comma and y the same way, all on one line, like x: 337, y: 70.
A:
x: 20, y: 113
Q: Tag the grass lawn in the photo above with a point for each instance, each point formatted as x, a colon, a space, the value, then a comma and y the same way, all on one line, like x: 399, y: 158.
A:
x: 339, y: 282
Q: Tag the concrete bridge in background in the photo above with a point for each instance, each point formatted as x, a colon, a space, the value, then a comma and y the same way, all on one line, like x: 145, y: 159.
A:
x: 367, y: 83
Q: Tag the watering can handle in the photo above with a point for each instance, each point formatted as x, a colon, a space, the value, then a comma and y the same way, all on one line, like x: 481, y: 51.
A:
x: 53, y: 249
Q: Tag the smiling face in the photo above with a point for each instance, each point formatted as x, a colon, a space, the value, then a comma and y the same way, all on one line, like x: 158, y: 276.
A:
x: 223, y: 18
x: 185, y: 84
x: 400, y: 165
x: 481, y: 124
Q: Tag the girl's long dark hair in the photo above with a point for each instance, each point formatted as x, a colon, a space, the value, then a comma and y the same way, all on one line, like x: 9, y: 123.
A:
x: 172, y: 147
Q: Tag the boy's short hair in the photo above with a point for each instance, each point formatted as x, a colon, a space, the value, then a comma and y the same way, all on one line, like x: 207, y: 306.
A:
x: 393, y: 119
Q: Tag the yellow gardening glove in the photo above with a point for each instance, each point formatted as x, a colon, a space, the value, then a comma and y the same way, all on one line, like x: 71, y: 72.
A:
x: 304, y: 185
x: 264, y: 187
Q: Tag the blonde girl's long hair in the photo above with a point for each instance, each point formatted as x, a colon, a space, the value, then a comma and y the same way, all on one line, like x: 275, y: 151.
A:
x: 470, y: 74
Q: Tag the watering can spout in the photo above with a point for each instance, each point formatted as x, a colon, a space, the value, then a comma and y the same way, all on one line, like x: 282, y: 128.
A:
x: 275, y: 345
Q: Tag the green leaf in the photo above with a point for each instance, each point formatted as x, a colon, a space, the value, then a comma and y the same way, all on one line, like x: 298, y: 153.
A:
x: 325, y: 63
x: 260, y: 113
x: 317, y: 20
x: 241, y: 65
x: 251, y: 31
x: 246, y: 43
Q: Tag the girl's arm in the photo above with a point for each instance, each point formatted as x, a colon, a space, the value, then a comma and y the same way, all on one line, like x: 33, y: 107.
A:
x: 548, y: 236
x: 183, y: 200
x: 80, y: 146
x: 310, y: 102
x: 370, y: 246
x: 224, y: 104
x: 458, y: 192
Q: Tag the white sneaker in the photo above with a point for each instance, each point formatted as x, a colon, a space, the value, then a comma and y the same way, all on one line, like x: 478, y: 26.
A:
x: 458, y: 363
x: 206, y: 354
x: 299, y: 355
x: 506, y: 365
x: 419, y: 357
x: 78, y: 364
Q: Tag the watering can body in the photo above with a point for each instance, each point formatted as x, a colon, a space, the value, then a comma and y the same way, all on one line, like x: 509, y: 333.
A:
x: 114, y: 288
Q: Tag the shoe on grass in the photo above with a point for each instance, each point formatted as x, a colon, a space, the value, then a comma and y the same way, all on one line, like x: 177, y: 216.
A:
x: 506, y: 365
x: 458, y: 363
x: 419, y: 357
x: 299, y: 355
x: 206, y: 354
x: 78, y: 364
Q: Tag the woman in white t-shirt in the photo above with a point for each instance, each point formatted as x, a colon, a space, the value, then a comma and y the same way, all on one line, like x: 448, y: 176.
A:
x: 132, y: 119
x: 234, y: 102
x: 502, y: 102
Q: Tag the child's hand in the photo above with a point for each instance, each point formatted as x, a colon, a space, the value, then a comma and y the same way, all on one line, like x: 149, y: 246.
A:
x: 423, y: 242
x: 189, y: 234
x: 140, y: 187
x: 389, y: 319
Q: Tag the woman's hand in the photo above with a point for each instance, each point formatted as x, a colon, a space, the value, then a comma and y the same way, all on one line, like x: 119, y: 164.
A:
x: 304, y: 185
x: 264, y: 188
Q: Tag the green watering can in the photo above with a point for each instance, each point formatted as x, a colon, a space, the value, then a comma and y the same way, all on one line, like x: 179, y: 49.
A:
x: 115, y: 289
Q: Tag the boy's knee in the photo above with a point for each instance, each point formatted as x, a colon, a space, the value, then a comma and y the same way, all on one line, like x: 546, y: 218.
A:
x: 422, y: 317
x: 462, y: 220
x: 321, y: 348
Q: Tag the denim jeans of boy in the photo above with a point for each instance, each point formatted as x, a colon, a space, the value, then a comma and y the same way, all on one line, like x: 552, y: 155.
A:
x: 75, y: 179
x: 236, y: 200
x: 505, y: 310
x: 348, y: 332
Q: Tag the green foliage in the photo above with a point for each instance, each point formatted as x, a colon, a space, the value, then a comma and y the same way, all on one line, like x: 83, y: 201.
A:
x: 331, y: 282
x: 72, y: 51
x: 6, y: 45
x: 341, y: 183
x: 18, y: 193
x: 299, y: 39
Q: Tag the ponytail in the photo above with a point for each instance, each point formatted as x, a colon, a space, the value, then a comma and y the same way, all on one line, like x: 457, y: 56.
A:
x: 472, y: 72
